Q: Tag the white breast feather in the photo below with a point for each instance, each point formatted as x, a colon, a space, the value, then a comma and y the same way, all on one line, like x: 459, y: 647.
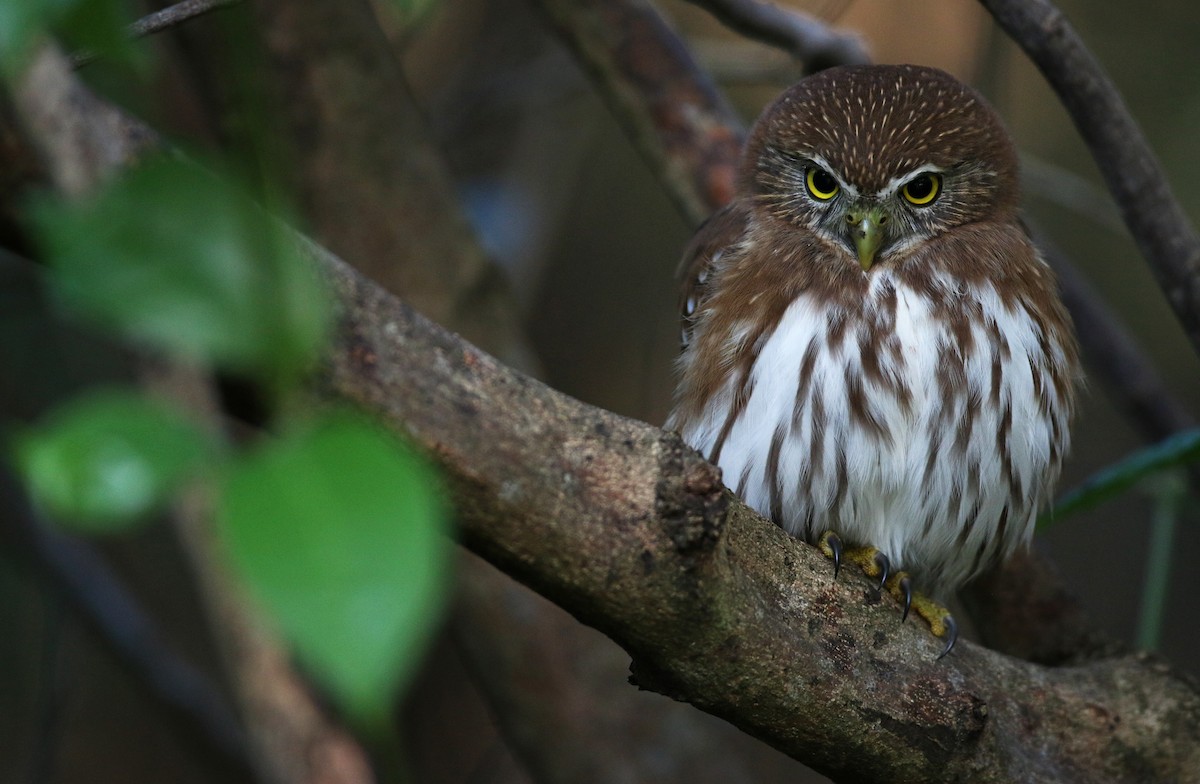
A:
x: 886, y: 495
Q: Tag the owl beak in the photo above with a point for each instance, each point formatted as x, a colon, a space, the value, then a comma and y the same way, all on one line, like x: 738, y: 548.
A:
x: 866, y: 232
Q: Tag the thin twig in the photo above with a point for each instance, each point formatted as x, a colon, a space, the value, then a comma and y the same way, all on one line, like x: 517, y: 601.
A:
x: 745, y: 63
x: 175, y: 15
x: 1158, y: 224
x: 1063, y: 188
x: 810, y: 41
x: 160, y: 20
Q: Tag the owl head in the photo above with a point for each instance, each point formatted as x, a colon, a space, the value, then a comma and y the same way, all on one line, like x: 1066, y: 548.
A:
x: 878, y: 159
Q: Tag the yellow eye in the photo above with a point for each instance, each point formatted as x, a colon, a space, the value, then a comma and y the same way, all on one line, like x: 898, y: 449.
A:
x: 821, y: 184
x: 922, y: 189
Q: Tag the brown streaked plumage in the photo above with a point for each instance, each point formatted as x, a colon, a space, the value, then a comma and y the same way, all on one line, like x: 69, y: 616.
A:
x: 872, y: 344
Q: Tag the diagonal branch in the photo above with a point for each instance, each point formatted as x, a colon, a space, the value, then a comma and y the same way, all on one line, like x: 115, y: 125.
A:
x: 630, y: 531
x: 334, y: 90
x: 813, y: 43
x: 174, y: 15
x: 682, y: 126
x: 1158, y: 224
x: 160, y: 20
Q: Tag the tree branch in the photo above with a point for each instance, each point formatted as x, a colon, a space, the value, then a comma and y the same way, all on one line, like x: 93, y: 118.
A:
x: 174, y: 15
x: 1134, y: 385
x: 160, y: 20
x: 334, y: 90
x: 681, y: 125
x: 812, y: 42
x: 1158, y: 224
x: 631, y: 532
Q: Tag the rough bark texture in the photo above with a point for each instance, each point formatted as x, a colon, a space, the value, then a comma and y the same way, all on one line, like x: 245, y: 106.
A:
x: 630, y: 531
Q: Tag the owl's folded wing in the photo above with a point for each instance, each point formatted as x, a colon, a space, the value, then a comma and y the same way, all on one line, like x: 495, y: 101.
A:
x: 722, y: 230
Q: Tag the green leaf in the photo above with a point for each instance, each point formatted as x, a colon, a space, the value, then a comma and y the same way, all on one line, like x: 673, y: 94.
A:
x: 1179, y: 449
x: 178, y: 259
x: 341, y: 532
x: 109, y: 459
x: 96, y: 25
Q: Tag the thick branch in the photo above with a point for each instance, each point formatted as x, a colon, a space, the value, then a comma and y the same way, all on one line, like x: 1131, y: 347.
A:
x: 630, y: 531
x: 392, y: 210
x: 1158, y: 224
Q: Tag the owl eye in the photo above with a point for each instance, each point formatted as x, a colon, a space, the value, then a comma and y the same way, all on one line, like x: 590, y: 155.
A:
x: 821, y: 184
x: 922, y: 189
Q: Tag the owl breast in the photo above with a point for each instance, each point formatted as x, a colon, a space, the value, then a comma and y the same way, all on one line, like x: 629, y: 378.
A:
x: 914, y: 420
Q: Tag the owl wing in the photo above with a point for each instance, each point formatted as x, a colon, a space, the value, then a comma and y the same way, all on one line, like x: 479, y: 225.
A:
x: 721, y: 230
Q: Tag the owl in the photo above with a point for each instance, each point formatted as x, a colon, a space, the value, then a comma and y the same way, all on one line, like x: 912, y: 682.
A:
x: 875, y: 353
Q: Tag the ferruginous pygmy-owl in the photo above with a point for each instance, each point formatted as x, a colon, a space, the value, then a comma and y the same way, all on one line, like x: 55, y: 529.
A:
x: 874, y: 351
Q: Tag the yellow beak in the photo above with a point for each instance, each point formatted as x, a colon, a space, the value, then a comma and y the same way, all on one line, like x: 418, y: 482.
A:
x: 866, y: 230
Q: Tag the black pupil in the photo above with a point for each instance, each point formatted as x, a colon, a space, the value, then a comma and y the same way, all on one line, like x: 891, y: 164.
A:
x: 823, y: 181
x: 920, y: 187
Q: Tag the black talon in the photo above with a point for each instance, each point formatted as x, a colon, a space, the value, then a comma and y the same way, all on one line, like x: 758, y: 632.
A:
x: 835, y: 544
x: 906, y: 587
x: 885, y: 566
x: 951, y: 635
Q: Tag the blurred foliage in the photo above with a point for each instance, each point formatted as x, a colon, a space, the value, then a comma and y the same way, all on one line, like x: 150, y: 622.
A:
x: 108, y: 459
x: 340, y: 531
x: 188, y: 264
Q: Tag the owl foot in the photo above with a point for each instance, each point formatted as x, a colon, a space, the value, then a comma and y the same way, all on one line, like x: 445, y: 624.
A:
x: 875, y: 564
x: 940, y: 621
